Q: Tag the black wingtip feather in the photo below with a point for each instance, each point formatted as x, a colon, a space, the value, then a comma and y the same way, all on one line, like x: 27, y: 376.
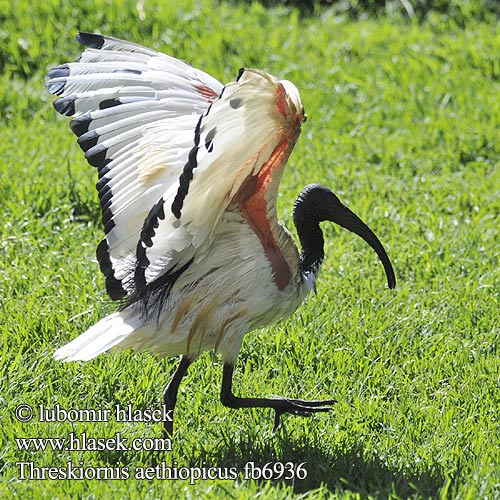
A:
x: 80, y: 125
x: 105, y: 194
x: 110, y: 103
x: 104, y: 169
x: 187, y: 172
x: 96, y: 156
x: 99, y: 185
x: 107, y: 216
x: 109, y: 225
x: 113, y: 286
x: 55, y: 87
x: 65, y: 105
x: 102, y: 254
x: 146, y: 241
x: 115, y: 289
x: 92, y: 40
x: 88, y: 140
x: 61, y: 71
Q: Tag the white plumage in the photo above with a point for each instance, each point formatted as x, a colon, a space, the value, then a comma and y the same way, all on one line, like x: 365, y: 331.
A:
x: 189, y: 172
x: 213, y: 303
x: 170, y: 109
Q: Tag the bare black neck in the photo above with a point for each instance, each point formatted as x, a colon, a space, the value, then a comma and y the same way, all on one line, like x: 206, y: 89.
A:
x: 306, y: 220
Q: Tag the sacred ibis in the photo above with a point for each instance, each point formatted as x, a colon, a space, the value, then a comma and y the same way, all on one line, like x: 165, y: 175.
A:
x: 189, y: 172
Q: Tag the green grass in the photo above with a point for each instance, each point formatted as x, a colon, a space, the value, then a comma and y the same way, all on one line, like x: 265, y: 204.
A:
x: 404, y: 126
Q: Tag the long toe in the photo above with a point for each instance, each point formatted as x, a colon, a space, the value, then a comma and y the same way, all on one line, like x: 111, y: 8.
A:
x: 301, y: 407
x: 312, y: 404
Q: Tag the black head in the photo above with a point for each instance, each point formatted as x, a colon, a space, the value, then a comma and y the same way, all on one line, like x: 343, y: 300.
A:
x: 315, y: 204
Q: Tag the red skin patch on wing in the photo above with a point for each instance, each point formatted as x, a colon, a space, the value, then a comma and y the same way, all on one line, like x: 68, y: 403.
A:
x: 253, y: 196
x: 252, y: 201
x: 281, y: 95
x: 206, y: 92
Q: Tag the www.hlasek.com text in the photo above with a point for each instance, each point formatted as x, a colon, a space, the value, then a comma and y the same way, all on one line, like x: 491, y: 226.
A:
x: 84, y: 442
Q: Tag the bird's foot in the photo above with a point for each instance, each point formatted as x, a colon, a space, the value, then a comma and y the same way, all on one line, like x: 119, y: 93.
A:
x: 300, y: 407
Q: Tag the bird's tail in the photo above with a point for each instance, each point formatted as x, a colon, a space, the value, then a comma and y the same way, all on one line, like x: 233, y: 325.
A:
x: 107, y: 333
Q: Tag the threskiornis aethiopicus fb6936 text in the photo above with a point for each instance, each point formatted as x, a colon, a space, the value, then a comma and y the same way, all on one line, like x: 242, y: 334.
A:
x: 189, y: 172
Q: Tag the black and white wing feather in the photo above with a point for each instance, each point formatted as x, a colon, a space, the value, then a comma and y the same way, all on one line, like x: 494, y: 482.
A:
x: 135, y: 111
x: 173, y: 147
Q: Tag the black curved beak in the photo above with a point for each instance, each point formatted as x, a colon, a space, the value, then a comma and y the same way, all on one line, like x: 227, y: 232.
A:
x: 344, y: 217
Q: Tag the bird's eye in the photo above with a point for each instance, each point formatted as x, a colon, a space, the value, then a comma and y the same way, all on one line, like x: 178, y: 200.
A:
x: 304, y: 117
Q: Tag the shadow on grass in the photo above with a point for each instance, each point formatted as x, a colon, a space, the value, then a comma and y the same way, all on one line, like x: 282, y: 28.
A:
x: 346, y: 469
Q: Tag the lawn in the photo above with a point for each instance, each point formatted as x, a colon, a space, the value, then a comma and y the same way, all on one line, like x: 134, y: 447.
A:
x: 403, y: 125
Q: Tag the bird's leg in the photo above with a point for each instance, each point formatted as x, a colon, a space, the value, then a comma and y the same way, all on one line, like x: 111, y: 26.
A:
x: 279, y: 405
x: 170, y: 393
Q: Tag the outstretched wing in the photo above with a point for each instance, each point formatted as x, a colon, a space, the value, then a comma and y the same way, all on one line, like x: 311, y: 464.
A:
x: 135, y: 111
x: 254, y: 124
x: 174, y: 149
